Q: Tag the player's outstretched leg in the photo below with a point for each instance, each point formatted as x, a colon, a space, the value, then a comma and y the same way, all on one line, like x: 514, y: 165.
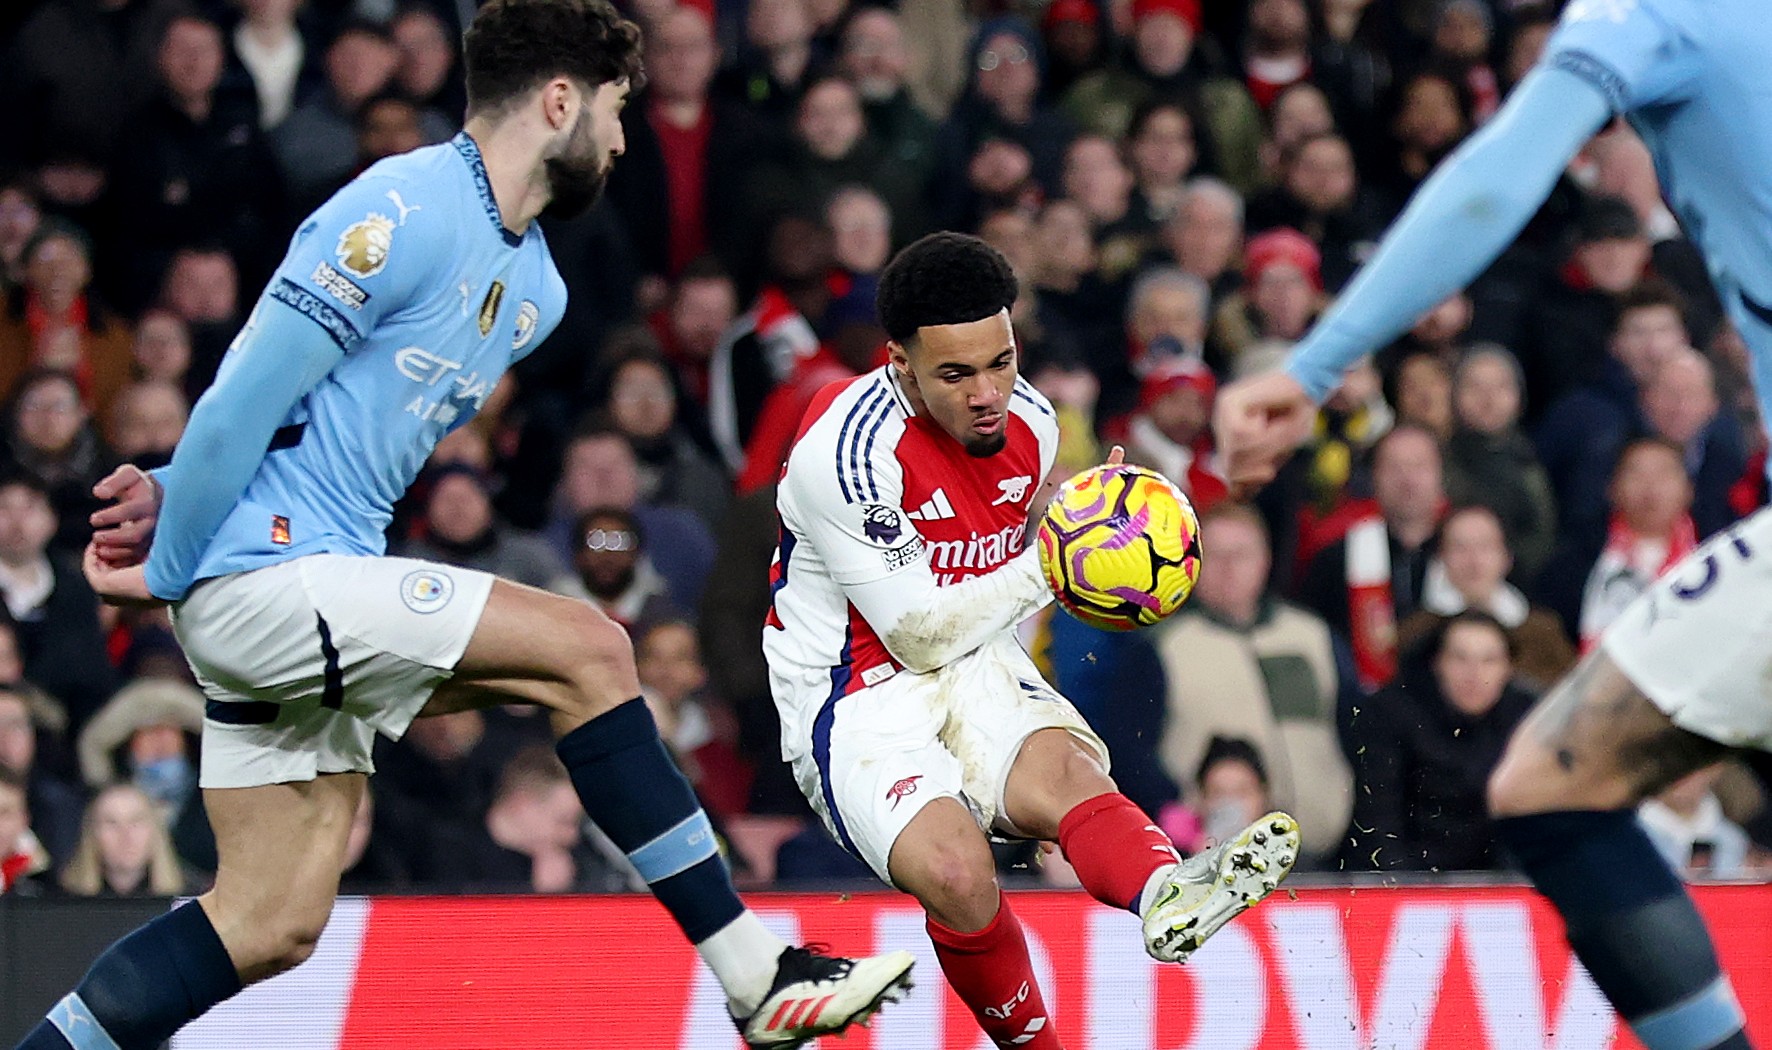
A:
x: 943, y: 860
x: 564, y: 654
x: 1564, y: 799
x: 1058, y: 791
x: 280, y: 848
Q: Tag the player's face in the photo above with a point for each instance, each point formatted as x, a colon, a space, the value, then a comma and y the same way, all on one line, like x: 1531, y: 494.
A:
x: 963, y: 374
x: 586, y: 152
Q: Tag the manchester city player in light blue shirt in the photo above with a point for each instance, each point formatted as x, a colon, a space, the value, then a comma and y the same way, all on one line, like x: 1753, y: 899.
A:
x: 401, y: 302
x: 1680, y: 679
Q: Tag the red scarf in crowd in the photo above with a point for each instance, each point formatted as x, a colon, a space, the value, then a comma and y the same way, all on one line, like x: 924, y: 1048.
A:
x: 1621, y: 573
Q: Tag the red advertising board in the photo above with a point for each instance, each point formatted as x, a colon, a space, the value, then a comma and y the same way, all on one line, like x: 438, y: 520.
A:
x: 1452, y: 968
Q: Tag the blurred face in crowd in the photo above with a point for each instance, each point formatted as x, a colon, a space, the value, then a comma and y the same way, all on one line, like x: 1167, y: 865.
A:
x: 1011, y: 232
x: 831, y: 122
x: 1301, y: 111
x: 1097, y: 178
x: 642, y: 400
x: 1162, y: 41
x: 359, y: 66
x: 426, y: 56
x: 776, y: 24
x: 1431, y: 119
x: 50, y: 414
x: 1322, y: 175
x: 874, y: 57
x: 202, y: 286
x: 1442, y: 325
x: 1234, y: 575
x: 162, y: 347
x: 57, y: 272
x: 608, y: 555
x: 123, y: 822
x: 1279, y: 25
x: 1473, y: 667
x: 681, y: 56
x: 1487, y: 393
x: 599, y: 472
x: 1646, y: 337
x: 280, y: 12
x: 700, y: 311
x: 799, y: 251
x: 669, y: 661
x: 18, y: 737
x: 1205, y: 235
x: 1475, y: 554
x: 861, y: 230
x: 963, y: 374
x: 1462, y: 34
x: 1163, y: 149
x: 999, y: 168
x: 1524, y: 49
x: 459, y: 510
x: 191, y: 58
x: 1182, y: 414
x: 388, y: 127
x: 1073, y: 42
x: 1650, y: 489
x: 1284, y: 297
x: 14, y: 818
x: 1233, y: 784
x: 1066, y: 248
x: 1406, y: 477
x: 1614, y: 264
x: 1424, y: 393
x: 1006, y: 75
x: 149, y: 416
x: 1169, y: 309
x: 1681, y: 399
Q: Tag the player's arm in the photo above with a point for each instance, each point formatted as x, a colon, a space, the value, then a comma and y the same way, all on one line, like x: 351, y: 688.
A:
x: 1464, y: 216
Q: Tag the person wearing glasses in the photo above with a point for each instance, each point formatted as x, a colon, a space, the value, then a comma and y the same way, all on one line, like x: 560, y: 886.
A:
x: 611, y: 571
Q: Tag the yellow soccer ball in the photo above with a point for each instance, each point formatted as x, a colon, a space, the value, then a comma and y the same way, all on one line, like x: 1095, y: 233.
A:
x: 1120, y: 547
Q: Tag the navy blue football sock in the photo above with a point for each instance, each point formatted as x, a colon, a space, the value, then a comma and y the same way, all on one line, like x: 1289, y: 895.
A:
x: 635, y: 793
x: 1632, y: 925
x: 143, y: 988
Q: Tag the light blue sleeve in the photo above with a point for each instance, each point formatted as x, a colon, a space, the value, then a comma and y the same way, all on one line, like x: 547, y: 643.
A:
x: 278, y: 357
x: 1466, y: 213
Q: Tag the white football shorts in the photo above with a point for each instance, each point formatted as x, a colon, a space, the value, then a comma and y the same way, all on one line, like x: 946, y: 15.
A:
x: 1698, y: 642
x: 880, y: 754
x: 303, y: 662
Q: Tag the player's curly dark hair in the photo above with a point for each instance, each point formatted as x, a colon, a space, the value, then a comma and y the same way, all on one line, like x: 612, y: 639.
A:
x: 515, y: 45
x: 944, y: 278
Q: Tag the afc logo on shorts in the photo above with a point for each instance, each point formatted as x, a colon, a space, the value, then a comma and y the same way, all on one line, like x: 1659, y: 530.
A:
x: 426, y: 590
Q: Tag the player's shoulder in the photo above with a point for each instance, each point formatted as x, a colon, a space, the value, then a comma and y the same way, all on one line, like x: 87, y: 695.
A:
x: 418, y: 193
x: 850, y: 427
x: 1033, y: 408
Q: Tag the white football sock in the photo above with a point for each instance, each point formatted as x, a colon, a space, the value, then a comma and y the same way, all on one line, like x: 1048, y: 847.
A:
x: 742, y: 955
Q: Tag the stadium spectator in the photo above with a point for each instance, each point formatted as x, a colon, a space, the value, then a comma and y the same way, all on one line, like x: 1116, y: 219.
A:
x: 51, y: 607
x: 1171, y: 430
x: 861, y: 230
x: 1651, y: 529
x: 1276, y: 49
x: 1462, y: 41
x: 1371, y: 578
x: 1233, y: 789
x: 202, y: 288
x: 148, y: 734
x: 22, y: 858
x: 434, y: 784
x: 316, y: 146
x: 1166, y: 313
x: 427, y: 73
x: 1423, y: 750
x: 1164, y: 152
x: 1471, y: 573
x: 146, y: 422
x: 600, y: 470
x: 54, y: 321
x: 530, y: 839
x: 52, y: 440
x: 271, y: 51
x: 777, y: 60
x: 1532, y: 26
x: 1075, y: 42
x: 678, y: 189
x: 193, y: 163
x: 875, y: 59
x: 1430, y: 116
x: 462, y: 529
x: 20, y: 215
x: 1686, y: 823
x: 54, y: 804
x: 161, y: 349
x: 1299, y: 112
x: 1680, y: 405
x: 673, y: 680
x: 612, y: 571
x: 642, y: 400
x: 1205, y: 236
x: 386, y: 126
x: 1490, y: 462
x: 1096, y: 176
x: 1423, y: 394
x: 1074, y: 303
x: 1164, y: 60
x: 124, y: 849
x: 1241, y: 663
x: 1320, y: 195
x: 702, y: 303
x: 1282, y: 292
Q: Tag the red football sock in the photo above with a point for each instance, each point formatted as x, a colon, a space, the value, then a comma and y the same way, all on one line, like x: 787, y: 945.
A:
x: 1114, y: 847
x: 991, y: 973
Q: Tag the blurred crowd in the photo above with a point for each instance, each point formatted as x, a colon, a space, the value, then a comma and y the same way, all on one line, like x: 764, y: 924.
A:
x: 1182, y: 188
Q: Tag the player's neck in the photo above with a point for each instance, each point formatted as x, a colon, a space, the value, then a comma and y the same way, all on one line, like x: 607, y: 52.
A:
x: 514, y: 170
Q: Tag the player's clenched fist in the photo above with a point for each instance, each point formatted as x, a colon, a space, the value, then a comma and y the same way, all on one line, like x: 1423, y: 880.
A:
x: 123, y: 531
x: 1258, y: 422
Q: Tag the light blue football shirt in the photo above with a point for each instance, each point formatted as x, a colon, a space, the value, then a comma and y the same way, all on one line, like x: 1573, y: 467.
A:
x: 400, y: 304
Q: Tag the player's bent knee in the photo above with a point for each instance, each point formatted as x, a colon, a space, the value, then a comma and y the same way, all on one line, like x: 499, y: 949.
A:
x: 954, y: 880
x: 600, y: 664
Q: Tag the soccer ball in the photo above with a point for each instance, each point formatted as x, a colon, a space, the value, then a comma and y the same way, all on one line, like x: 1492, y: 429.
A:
x: 1120, y: 547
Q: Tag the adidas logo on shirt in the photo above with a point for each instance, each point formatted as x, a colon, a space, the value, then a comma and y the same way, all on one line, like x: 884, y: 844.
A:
x: 935, y: 508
